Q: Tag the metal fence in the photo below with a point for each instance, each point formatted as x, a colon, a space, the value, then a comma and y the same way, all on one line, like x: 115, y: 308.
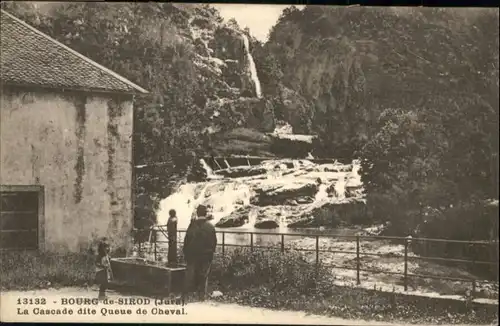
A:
x: 157, y: 249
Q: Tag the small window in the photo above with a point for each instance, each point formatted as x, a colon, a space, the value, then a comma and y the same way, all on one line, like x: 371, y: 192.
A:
x: 20, y: 217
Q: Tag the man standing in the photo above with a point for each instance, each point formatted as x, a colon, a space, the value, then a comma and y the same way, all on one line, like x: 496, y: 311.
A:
x: 172, y: 238
x: 199, y: 247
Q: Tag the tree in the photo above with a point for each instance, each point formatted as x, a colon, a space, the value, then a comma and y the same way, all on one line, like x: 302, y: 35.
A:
x: 139, y: 41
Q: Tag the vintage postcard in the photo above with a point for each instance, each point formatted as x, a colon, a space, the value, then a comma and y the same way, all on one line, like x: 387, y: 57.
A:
x: 248, y: 163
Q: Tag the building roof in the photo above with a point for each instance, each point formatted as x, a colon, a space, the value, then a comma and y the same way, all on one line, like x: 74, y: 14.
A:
x: 32, y: 58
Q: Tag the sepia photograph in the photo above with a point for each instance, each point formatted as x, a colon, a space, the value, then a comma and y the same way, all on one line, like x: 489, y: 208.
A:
x: 165, y: 162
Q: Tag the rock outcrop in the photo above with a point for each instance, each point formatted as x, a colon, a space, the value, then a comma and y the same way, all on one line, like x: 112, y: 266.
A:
x: 237, y: 218
x: 274, y: 193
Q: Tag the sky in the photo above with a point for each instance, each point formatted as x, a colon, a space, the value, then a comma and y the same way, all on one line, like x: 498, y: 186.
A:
x: 258, y: 18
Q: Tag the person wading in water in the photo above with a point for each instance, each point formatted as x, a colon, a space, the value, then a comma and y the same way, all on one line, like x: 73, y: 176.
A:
x: 199, y: 247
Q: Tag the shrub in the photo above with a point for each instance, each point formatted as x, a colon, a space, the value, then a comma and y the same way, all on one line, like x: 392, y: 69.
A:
x: 278, y: 272
x: 272, y: 279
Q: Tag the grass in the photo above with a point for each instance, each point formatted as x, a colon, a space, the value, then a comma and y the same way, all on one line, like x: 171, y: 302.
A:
x: 27, y: 270
x: 275, y: 280
x: 267, y: 279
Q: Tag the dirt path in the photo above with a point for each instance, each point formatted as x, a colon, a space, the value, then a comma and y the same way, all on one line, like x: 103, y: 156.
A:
x: 209, y: 312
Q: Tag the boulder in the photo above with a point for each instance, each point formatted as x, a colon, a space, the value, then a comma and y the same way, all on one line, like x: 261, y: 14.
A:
x: 353, y: 192
x: 266, y: 223
x: 235, y: 219
x: 269, y: 217
x: 304, y: 200
x: 242, y: 171
x: 332, y: 215
x: 280, y: 194
x: 332, y: 192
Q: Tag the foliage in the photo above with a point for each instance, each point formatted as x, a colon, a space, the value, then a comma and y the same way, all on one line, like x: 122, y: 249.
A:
x: 143, y: 42
x: 271, y: 279
x: 278, y: 272
x: 349, y: 65
x: 265, y: 279
x: 31, y: 270
x: 413, y: 92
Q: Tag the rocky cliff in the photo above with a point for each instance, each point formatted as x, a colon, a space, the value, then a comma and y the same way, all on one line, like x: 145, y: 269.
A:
x: 199, y: 68
x: 334, y: 69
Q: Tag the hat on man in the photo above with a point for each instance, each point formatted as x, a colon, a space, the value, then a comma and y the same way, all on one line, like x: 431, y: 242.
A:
x: 201, y: 210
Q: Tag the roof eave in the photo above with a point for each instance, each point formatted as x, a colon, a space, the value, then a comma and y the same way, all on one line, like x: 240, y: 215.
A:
x: 138, y: 88
x: 75, y: 89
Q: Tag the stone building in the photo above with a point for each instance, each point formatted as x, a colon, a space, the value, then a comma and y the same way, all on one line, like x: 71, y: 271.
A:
x: 66, y: 164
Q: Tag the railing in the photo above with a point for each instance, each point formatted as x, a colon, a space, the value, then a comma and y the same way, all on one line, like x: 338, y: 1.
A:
x: 358, y: 253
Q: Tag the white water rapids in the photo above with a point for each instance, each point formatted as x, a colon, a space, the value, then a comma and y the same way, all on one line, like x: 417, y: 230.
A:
x: 253, y: 68
x: 286, y: 180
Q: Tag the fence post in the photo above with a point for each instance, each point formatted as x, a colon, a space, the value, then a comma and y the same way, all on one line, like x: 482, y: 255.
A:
x: 282, y: 243
x: 317, y: 251
x: 473, y: 293
x: 357, y: 261
x: 172, y: 241
x: 223, y: 242
x: 155, y: 246
x: 251, y: 241
x: 406, y: 266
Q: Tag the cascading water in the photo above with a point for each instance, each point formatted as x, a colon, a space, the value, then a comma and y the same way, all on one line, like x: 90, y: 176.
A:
x: 284, y: 181
x: 340, y: 187
x: 208, y: 170
x: 322, y: 193
x: 253, y: 68
x: 184, y: 201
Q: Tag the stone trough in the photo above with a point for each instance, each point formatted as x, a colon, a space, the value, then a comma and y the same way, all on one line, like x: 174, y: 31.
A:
x: 147, y: 275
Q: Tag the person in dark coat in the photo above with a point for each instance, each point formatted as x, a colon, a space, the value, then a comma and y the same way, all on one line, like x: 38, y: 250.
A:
x: 199, y: 248
x: 172, y: 238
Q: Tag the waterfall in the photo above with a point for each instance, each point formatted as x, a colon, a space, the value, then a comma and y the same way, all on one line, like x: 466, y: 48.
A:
x: 322, y: 193
x: 340, y: 187
x: 184, y: 201
x: 208, y: 169
x: 253, y: 69
x: 239, y: 195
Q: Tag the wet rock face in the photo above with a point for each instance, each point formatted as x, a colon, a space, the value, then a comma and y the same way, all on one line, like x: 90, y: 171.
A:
x: 243, y: 171
x: 266, y: 223
x: 258, y: 114
x: 281, y: 195
x: 201, y: 48
x: 227, y: 44
x: 235, y: 219
x: 332, y: 215
x: 274, y: 193
x: 294, y: 108
x: 331, y: 191
x: 224, y: 61
x: 289, y: 148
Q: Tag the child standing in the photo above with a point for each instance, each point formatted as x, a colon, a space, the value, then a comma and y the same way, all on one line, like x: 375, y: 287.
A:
x: 103, y: 268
